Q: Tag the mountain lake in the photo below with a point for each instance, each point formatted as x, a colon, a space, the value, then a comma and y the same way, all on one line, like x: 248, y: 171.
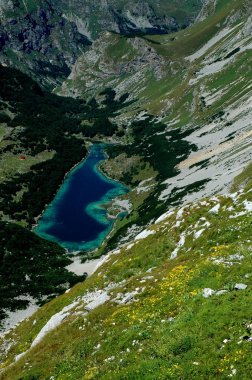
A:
x: 76, y: 218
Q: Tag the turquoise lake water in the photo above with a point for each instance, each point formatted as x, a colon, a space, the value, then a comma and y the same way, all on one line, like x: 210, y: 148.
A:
x: 75, y: 219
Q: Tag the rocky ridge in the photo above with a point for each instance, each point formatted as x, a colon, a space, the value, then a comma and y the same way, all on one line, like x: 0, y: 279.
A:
x: 44, y: 38
x: 38, y: 40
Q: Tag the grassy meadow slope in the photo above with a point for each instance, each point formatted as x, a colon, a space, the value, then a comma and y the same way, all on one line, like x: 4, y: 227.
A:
x: 177, y: 298
x: 174, y: 289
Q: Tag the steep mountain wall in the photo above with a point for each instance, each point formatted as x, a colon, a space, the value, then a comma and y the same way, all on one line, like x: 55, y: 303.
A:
x: 131, y: 16
x: 44, y: 38
x: 35, y: 37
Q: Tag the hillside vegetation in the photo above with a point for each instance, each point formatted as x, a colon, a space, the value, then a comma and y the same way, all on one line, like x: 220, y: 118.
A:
x: 176, y: 298
x: 189, y: 126
x: 42, y: 136
x: 171, y: 297
x: 44, y: 38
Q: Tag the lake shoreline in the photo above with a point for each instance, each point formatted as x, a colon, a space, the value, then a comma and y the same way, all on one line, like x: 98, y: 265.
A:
x: 99, y: 190
x: 37, y: 218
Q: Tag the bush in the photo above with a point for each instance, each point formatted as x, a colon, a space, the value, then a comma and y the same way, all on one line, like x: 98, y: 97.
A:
x: 4, y: 118
x: 182, y: 346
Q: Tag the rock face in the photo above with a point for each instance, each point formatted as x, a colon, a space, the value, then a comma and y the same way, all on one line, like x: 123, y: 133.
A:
x: 132, y: 16
x: 38, y: 39
x: 103, y: 62
x: 207, y: 9
x: 44, y: 38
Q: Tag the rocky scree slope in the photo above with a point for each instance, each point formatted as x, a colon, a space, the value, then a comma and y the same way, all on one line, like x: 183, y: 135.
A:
x: 188, y: 128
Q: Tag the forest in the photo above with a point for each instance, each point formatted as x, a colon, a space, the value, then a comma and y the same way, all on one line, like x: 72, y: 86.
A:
x: 52, y: 123
x: 30, y: 267
x: 40, y: 121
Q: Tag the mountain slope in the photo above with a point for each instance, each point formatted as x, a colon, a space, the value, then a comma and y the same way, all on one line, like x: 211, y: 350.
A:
x: 177, y: 298
x: 32, y: 270
x: 190, y: 122
x: 174, y: 288
x: 131, y: 17
x: 44, y: 38
x: 42, y: 136
x: 35, y: 38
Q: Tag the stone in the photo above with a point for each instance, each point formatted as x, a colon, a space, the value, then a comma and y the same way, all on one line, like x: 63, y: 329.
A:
x: 240, y: 286
x: 249, y: 327
x: 208, y: 292
x: 220, y: 292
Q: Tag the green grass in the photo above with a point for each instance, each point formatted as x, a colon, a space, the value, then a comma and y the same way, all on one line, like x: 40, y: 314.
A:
x: 120, y: 50
x: 11, y: 164
x: 189, y: 346
x: 245, y: 178
x: 2, y: 131
x: 173, y: 331
x: 188, y: 41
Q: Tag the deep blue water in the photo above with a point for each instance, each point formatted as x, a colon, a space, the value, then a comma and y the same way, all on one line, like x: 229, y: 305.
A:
x: 75, y: 218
